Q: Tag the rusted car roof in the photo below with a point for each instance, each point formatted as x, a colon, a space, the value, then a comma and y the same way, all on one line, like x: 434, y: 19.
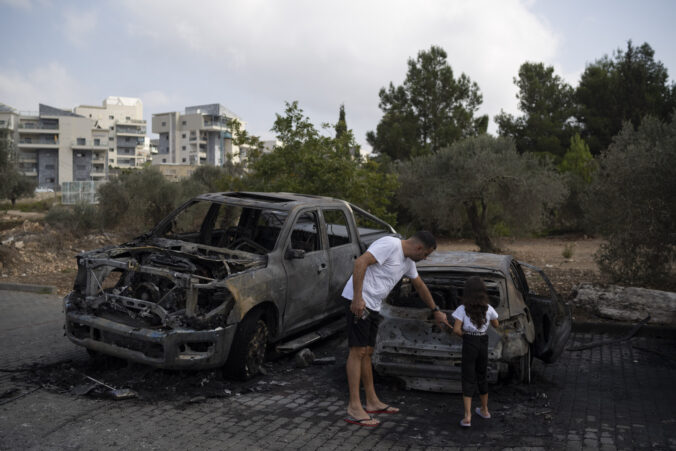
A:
x: 446, y: 259
x: 279, y: 201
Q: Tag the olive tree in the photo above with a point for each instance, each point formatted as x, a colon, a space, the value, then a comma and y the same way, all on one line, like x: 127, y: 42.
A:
x: 482, y: 181
x: 631, y: 201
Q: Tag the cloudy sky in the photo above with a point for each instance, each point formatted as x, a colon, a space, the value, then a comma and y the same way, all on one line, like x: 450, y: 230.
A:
x: 253, y: 55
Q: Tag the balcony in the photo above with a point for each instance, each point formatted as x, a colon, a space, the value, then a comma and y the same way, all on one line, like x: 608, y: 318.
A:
x: 126, y: 131
x: 34, y: 127
x: 132, y: 121
x: 38, y: 144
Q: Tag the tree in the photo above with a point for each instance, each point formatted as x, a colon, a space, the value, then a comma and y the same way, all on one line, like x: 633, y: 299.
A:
x: 482, y: 181
x: 431, y: 110
x: 138, y: 199
x: 631, y: 200
x: 547, y: 105
x: 578, y: 159
x: 14, y: 185
x: 311, y: 163
x: 625, y: 88
x: 577, y: 168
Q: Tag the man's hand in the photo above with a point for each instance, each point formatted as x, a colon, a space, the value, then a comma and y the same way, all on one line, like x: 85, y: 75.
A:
x: 440, y: 318
x: 357, y: 306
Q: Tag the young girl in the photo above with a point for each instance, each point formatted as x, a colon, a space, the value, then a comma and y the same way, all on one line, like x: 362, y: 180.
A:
x: 471, y: 323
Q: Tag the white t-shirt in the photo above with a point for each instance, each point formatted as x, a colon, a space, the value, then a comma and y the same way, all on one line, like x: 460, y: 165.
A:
x: 381, y: 277
x: 468, y: 325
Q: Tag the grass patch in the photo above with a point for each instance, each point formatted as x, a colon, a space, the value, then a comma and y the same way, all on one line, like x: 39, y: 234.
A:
x: 39, y: 206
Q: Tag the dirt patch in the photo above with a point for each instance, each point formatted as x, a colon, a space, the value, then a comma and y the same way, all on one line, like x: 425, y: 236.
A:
x: 548, y: 254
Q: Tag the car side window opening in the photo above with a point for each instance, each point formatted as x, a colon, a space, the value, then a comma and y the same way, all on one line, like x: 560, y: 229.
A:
x: 337, y: 227
x: 186, y: 225
x: 305, y: 232
x: 368, y: 224
x: 517, y: 279
x: 536, y: 283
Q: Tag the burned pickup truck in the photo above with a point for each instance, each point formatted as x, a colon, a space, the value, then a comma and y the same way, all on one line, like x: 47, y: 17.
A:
x: 535, y: 322
x: 219, y: 279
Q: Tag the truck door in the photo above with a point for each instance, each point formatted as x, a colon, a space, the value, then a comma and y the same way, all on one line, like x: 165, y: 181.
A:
x: 306, y: 262
x: 343, y: 251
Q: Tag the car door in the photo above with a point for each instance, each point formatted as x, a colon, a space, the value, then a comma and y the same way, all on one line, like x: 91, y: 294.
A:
x: 551, y: 316
x: 306, y: 262
x: 343, y: 248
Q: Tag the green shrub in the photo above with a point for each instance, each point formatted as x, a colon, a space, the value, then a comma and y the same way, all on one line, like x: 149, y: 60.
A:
x: 78, y: 218
x: 631, y: 201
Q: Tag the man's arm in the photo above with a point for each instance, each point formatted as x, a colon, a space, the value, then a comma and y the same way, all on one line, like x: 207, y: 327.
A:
x: 426, y: 296
x: 364, y: 261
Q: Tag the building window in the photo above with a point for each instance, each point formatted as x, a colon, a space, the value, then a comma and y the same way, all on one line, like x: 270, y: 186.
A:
x: 110, y: 138
x: 112, y: 128
x: 183, y: 123
x: 81, y: 167
x: 49, y: 166
x: 111, y: 117
x: 184, y: 160
x: 164, y: 160
x: 112, y: 161
x: 183, y: 136
x: 164, y: 124
x: 128, y: 118
x: 97, y: 142
x: 183, y: 147
x: 80, y: 141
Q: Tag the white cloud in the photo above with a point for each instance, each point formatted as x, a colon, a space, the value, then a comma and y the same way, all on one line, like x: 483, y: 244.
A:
x: 323, y: 54
x: 79, y: 26
x: 50, y: 84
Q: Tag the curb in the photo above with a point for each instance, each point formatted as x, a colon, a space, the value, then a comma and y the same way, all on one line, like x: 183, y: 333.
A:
x: 615, y: 328
x: 40, y: 289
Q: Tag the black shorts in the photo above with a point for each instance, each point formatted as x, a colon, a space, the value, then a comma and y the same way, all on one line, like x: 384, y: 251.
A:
x: 362, y: 332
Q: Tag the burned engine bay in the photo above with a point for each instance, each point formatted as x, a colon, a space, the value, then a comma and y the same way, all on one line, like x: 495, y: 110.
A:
x: 160, y: 283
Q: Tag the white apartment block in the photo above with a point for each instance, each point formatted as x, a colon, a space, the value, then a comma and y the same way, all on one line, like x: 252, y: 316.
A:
x: 201, y: 135
x: 56, y: 146
x: 123, y: 118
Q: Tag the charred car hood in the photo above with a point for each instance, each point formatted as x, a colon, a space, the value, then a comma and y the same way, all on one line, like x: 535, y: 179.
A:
x: 157, y: 282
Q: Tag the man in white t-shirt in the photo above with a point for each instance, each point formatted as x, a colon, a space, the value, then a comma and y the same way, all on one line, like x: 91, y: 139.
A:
x: 376, y: 272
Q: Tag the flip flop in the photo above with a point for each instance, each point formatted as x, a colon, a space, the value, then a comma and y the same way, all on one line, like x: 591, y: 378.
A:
x: 465, y: 425
x: 478, y: 412
x: 386, y: 409
x: 352, y: 420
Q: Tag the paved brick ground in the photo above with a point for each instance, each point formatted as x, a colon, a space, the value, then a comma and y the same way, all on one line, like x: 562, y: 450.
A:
x: 618, y: 396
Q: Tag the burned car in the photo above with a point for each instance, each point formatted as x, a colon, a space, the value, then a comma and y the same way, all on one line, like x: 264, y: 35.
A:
x: 535, y: 321
x: 219, y: 279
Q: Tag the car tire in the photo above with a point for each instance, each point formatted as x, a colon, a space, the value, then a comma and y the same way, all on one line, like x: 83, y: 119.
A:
x: 247, y: 353
x: 522, y: 367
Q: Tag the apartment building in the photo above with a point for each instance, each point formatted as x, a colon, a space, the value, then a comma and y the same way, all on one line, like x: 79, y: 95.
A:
x: 122, y: 117
x: 57, y: 146
x: 9, y: 119
x: 201, y: 135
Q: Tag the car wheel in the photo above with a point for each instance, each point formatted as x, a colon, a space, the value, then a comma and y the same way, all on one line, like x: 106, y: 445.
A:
x: 522, y: 367
x: 248, y: 348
